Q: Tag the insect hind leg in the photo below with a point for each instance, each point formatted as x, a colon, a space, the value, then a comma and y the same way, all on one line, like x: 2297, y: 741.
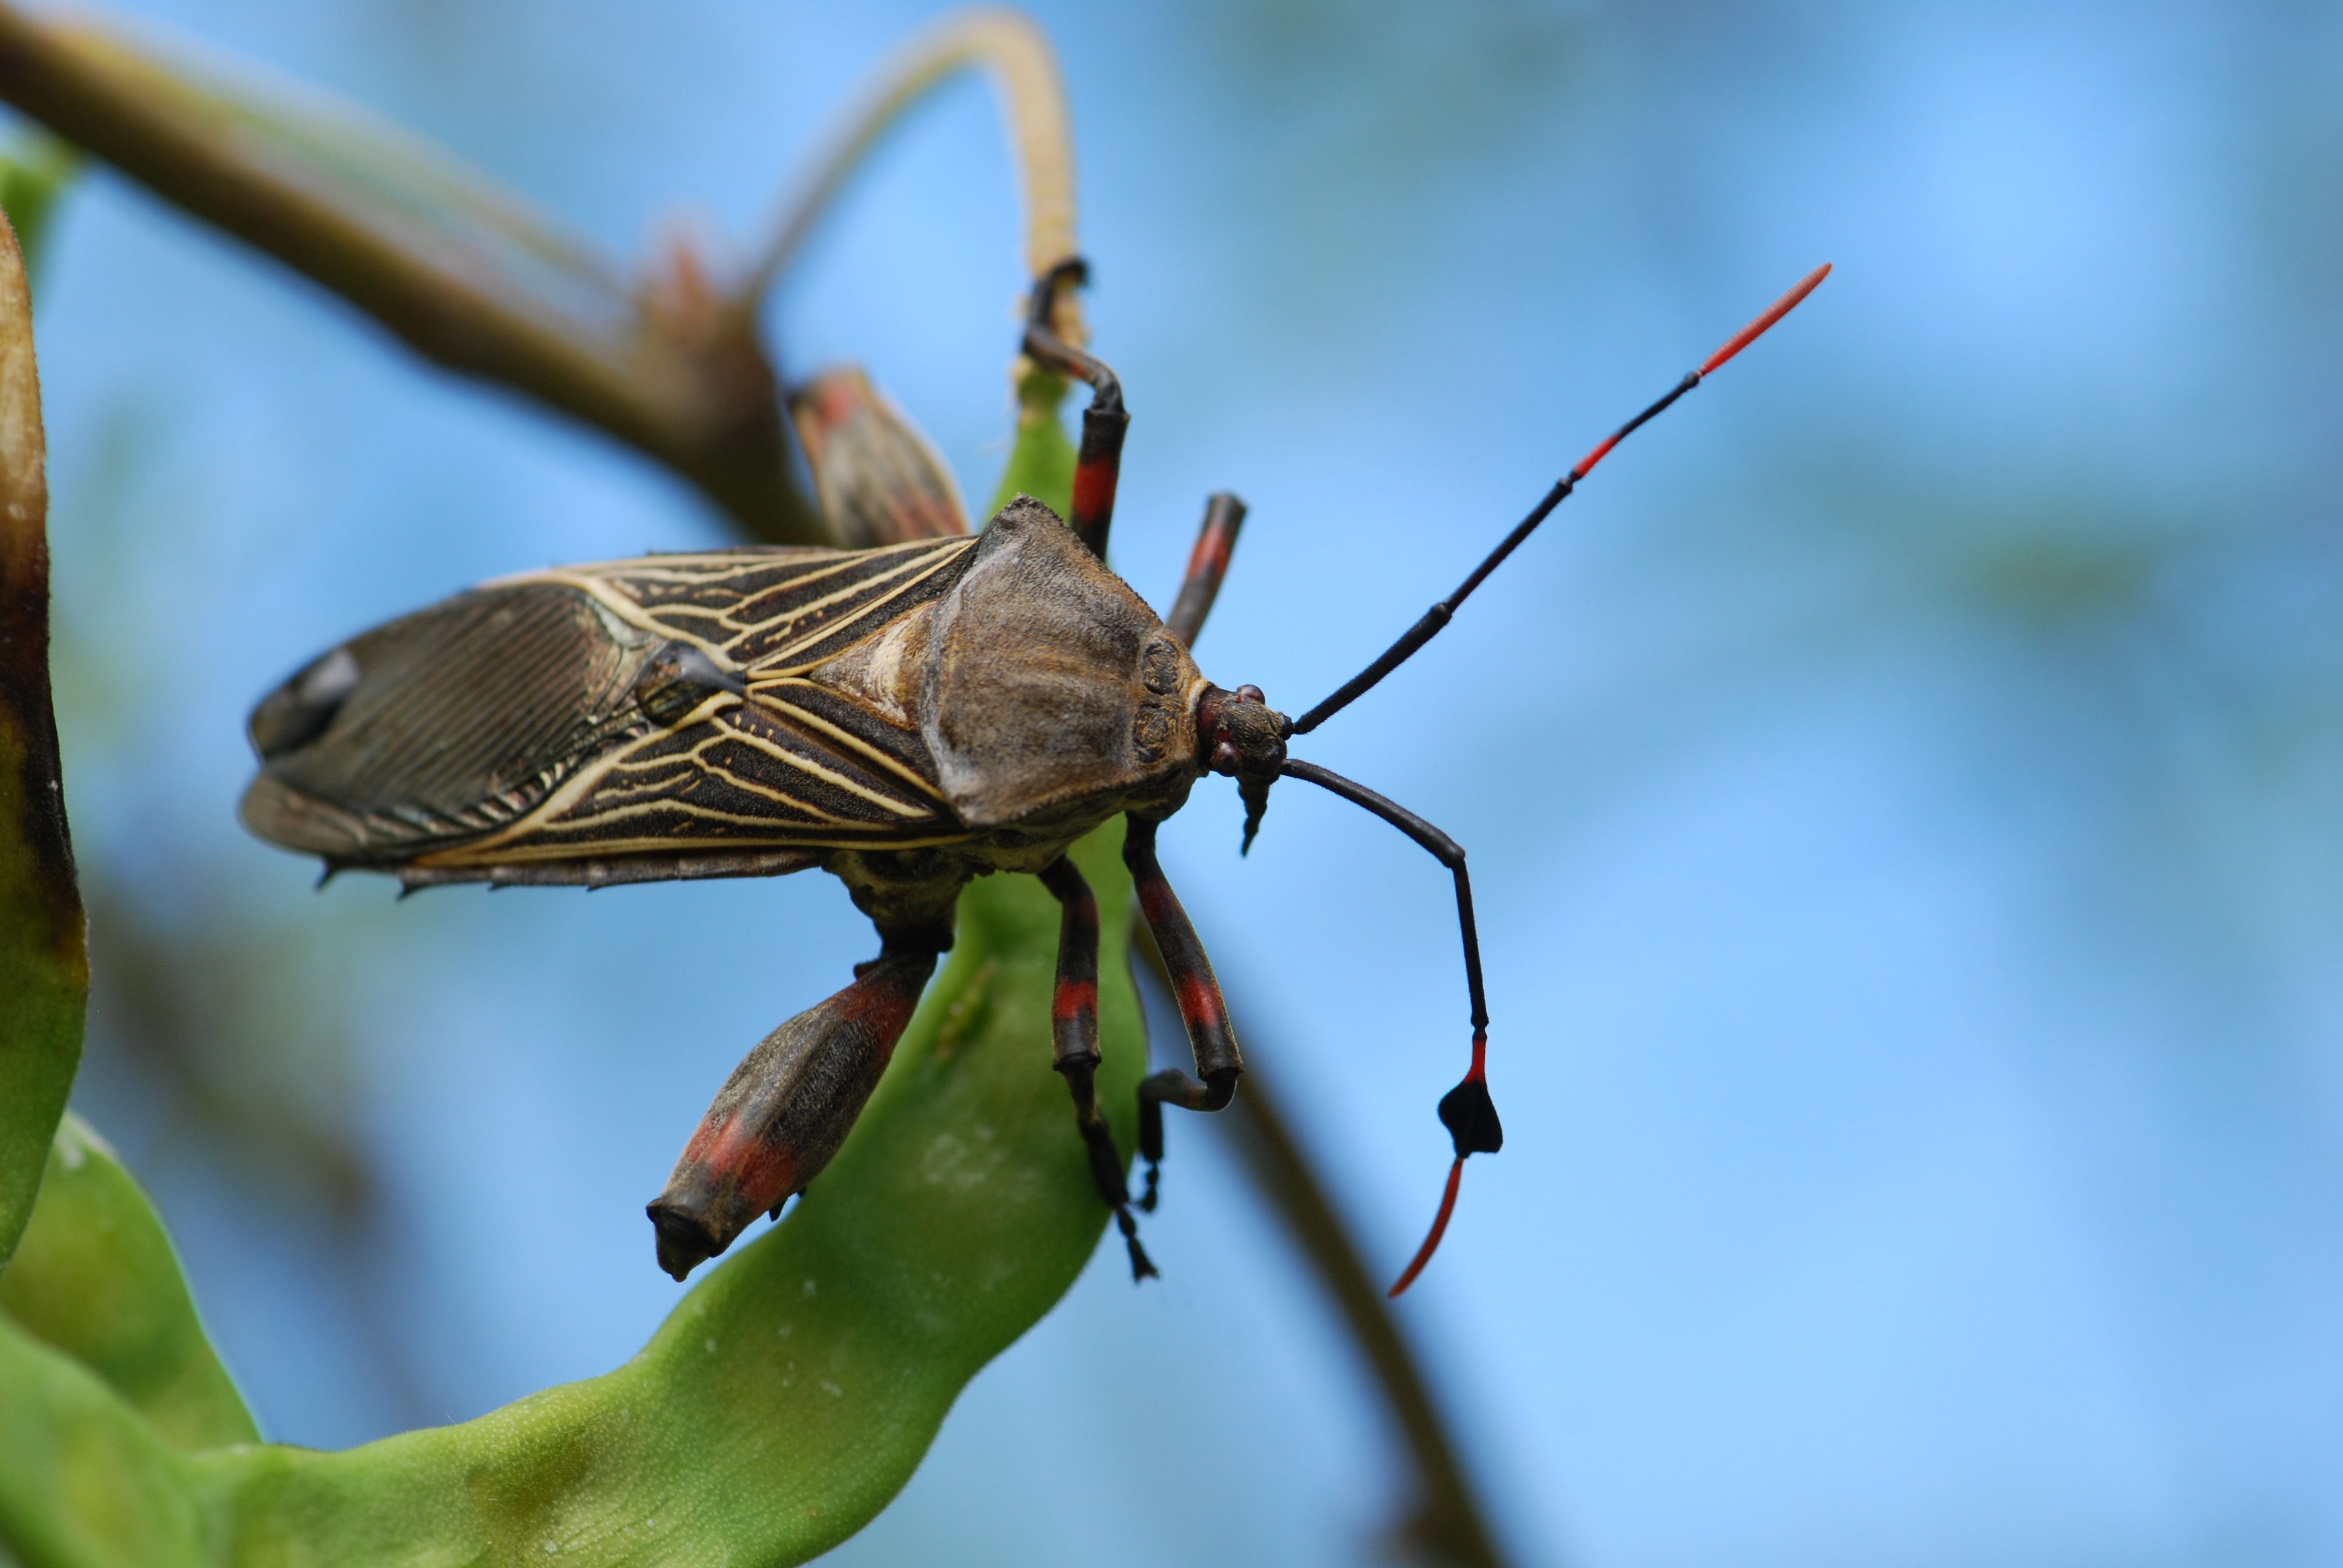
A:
x: 786, y: 1108
x: 1074, y: 1037
x: 1197, y: 992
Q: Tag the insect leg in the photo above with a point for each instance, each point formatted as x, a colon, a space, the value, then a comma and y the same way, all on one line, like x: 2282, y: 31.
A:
x: 1198, y: 993
x: 1073, y: 1032
x: 1207, y: 565
x: 1104, y: 422
x: 878, y: 480
x: 786, y: 1108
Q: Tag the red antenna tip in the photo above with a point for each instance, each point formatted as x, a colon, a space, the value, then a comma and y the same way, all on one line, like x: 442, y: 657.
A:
x: 1439, y: 1228
x: 1774, y: 312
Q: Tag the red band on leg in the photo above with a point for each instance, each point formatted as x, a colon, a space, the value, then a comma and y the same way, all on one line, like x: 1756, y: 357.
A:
x: 1074, y: 999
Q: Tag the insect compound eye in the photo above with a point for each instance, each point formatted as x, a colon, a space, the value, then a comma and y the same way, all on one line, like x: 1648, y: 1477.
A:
x: 1252, y: 694
x: 679, y: 678
x: 303, y: 709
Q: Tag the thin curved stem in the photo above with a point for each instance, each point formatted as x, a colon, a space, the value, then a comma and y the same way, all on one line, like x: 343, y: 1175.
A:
x: 1009, y: 47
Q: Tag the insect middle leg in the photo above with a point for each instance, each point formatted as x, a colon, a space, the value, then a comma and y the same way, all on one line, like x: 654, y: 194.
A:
x: 1198, y: 994
x: 1074, y: 1036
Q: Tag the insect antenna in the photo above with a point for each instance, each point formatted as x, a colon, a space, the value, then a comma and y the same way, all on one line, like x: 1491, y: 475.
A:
x: 1439, y: 615
x: 1466, y: 1111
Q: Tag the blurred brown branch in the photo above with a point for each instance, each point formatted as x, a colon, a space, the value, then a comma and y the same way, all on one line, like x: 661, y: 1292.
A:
x: 465, y: 276
x: 1445, y: 1525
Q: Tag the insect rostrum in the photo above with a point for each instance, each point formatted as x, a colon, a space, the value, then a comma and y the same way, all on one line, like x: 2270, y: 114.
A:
x: 907, y: 718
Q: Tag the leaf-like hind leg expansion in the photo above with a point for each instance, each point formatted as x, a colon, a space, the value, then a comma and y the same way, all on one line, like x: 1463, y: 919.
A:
x: 1074, y: 1035
x: 1202, y: 1010
x: 786, y: 1108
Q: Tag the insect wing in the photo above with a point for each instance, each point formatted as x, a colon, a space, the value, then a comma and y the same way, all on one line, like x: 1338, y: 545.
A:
x: 575, y: 715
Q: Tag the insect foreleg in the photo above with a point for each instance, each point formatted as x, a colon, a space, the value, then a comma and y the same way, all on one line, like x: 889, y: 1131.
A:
x: 786, y: 1108
x: 1099, y: 461
x: 1074, y: 1034
x: 1208, y: 563
x: 1198, y: 994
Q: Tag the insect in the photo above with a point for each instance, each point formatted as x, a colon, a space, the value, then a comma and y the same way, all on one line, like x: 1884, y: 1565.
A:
x: 907, y: 718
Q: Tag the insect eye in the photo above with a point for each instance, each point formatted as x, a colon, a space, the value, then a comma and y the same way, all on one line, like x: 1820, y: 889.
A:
x: 301, y: 709
x: 679, y: 678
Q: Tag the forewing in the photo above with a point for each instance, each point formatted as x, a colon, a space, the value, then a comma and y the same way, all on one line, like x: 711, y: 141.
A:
x: 774, y: 611
x: 734, y: 775
x: 589, y: 712
x: 440, y: 726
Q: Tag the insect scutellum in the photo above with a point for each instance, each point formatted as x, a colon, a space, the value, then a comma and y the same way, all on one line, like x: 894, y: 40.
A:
x: 907, y: 717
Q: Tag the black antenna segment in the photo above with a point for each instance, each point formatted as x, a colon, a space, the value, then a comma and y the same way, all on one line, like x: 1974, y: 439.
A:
x: 1441, y: 614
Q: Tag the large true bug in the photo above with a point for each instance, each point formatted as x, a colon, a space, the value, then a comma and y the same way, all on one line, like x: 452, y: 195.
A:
x: 907, y: 717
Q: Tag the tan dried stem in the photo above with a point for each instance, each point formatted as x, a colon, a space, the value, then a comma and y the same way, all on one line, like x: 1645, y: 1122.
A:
x: 1009, y: 49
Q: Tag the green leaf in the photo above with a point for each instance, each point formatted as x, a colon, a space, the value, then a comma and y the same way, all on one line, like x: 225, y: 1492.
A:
x: 786, y: 1400
x: 44, y: 958
x: 96, y: 1277
x: 34, y: 173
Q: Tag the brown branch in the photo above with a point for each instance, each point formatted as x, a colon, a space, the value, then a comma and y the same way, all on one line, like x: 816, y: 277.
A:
x: 464, y: 277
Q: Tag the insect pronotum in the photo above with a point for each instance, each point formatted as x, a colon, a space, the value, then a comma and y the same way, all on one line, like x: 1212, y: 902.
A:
x: 907, y: 718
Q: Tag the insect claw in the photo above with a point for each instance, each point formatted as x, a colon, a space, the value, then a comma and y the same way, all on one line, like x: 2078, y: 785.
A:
x: 1142, y: 1267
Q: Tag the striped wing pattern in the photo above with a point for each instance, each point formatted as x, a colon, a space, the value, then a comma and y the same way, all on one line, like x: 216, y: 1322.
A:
x: 783, y: 762
x: 770, y: 611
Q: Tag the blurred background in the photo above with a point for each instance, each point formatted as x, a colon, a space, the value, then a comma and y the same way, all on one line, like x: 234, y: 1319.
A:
x: 1905, y: 787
